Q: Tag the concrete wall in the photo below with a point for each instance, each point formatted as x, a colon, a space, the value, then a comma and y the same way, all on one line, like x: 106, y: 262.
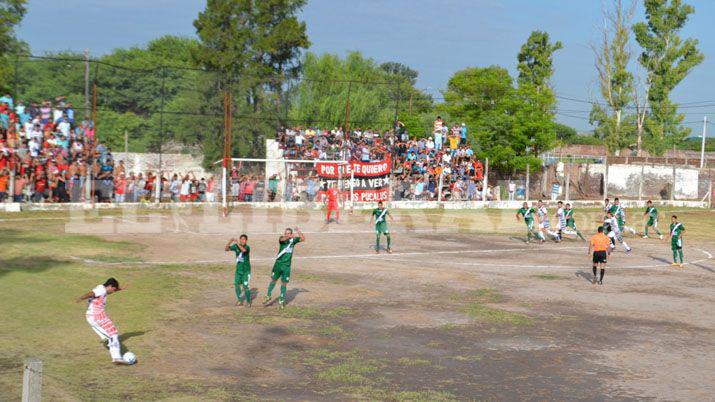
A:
x: 624, y: 180
x: 171, y: 163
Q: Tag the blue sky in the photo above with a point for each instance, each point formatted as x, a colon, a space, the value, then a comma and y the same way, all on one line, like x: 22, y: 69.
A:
x: 434, y: 37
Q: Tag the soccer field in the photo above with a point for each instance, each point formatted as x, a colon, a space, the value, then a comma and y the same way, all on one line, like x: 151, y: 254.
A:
x: 462, y: 310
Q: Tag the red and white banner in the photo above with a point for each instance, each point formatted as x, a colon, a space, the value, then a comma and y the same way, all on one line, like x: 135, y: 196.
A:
x: 370, y: 180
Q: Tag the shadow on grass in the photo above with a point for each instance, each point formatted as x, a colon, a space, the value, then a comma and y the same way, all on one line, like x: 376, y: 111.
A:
x: 704, y: 267
x: 587, y: 276
x: 28, y: 264
x: 660, y: 259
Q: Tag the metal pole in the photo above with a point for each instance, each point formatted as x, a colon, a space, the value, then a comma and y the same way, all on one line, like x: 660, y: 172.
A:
x: 605, y: 178
x: 397, y: 104
x: 439, y: 190
x: 86, y: 84
x: 17, y: 75
x: 485, y: 185
x: 568, y: 185
x: 32, y: 380
x: 702, y: 148
x: 672, y: 190
x: 640, y: 184
x: 526, y: 194
x: 126, y: 143
x: 161, y: 127
x: 352, y: 193
x: 347, y: 112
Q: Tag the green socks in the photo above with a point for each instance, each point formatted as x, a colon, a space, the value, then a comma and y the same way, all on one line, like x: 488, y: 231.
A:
x: 680, y: 253
x: 283, y: 292
x: 238, y: 293
x: 388, y: 240
x: 270, y: 288
x: 377, y: 242
x: 675, y: 256
x: 580, y: 235
x: 247, y: 291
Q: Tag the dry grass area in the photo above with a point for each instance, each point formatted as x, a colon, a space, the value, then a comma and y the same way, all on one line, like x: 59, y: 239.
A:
x: 462, y: 310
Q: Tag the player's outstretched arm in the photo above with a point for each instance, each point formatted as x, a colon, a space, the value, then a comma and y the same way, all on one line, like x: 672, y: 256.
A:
x: 84, y: 297
x: 228, y: 245
x: 300, y: 234
x: 517, y: 217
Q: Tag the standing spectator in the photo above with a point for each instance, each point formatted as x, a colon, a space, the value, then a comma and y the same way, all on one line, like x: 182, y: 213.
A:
x: 120, y: 188
x: 185, y: 189
x: 20, y: 183
x: 512, y: 190
x: 4, y: 178
x: 463, y: 135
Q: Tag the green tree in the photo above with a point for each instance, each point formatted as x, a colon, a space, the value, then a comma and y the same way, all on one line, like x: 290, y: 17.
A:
x: 667, y: 59
x: 565, y: 133
x: 375, y: 94
x: 11, y: 13
x: 395, y: 68
x: 256, y: 46
x: 536, y: 100
x: 616, y: 87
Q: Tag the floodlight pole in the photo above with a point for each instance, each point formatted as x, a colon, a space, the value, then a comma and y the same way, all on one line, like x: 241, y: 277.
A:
x: 702, y: 147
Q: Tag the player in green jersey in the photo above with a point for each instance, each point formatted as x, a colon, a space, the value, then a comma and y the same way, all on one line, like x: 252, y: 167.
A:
x: 528, y: 213
x: 676, y: 240
x: 652, y: 214
x: 380, y: 214
x: 620, y: 213
x: 570, y: 221
x: 281, y: 268
x: 243, y: 268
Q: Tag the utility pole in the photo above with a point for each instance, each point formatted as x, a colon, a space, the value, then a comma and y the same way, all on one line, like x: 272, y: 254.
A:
x: 702, y: 148
x: 126, y: 143
x: 86, y: 84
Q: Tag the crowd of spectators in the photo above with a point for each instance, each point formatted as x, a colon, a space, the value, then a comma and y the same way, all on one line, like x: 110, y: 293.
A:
x: 54, y: 158
x: 420, y: 165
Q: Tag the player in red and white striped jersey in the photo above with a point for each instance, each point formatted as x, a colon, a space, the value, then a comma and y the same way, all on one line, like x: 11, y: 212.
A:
x: 98, y: 319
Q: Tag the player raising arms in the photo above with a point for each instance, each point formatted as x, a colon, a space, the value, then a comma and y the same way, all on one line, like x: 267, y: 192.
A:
x: 676, y: 240
x: 98, y: 319
x: 528, y: 213
x: 281, y: 268
x: 599, y: 245
x: 243, y: 268
x: 332, y: 197
x: 652, y: 214
x: 570, y: 221
x: 380, y: 214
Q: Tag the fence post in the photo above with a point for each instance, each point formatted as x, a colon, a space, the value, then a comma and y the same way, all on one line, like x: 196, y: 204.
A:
x: 672, y: 190
x: 32, y: 380
x: 640, y: 184
x: 485, y: 186
x: 568, y: 185
x: 605, y: 178
x: 526, y: 194
x: 439, y: 189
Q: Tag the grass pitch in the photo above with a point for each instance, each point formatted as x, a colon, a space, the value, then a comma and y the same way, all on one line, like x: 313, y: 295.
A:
x: 462, y: 310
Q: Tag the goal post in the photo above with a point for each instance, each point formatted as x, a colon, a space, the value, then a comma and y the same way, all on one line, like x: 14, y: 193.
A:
x: 256, y: 180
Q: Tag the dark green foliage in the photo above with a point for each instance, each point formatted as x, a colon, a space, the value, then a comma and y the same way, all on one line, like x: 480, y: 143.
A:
x: 667, y: 60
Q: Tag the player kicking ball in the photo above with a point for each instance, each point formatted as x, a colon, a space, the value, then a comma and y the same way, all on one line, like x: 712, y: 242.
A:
x: 571, y: 222
x: 544, y: 224
x: 599, y: 245
x: 676, y: 240
x: 243, y: 268
x: 100, y: 322
x: 652, y: 214
x: 380, y: 214
x: 281, y: 268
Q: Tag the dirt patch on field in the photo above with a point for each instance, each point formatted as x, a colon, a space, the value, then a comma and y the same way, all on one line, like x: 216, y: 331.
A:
x: 448, y: 315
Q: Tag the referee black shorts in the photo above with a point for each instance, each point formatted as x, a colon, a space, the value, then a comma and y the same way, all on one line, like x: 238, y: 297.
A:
x: 599, y: 257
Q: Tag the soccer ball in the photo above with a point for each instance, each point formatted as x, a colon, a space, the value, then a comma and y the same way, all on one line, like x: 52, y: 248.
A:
x: 130, y: 358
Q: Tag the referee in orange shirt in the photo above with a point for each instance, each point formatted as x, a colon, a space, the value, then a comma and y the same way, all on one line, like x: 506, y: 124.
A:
x: 599, y: 245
